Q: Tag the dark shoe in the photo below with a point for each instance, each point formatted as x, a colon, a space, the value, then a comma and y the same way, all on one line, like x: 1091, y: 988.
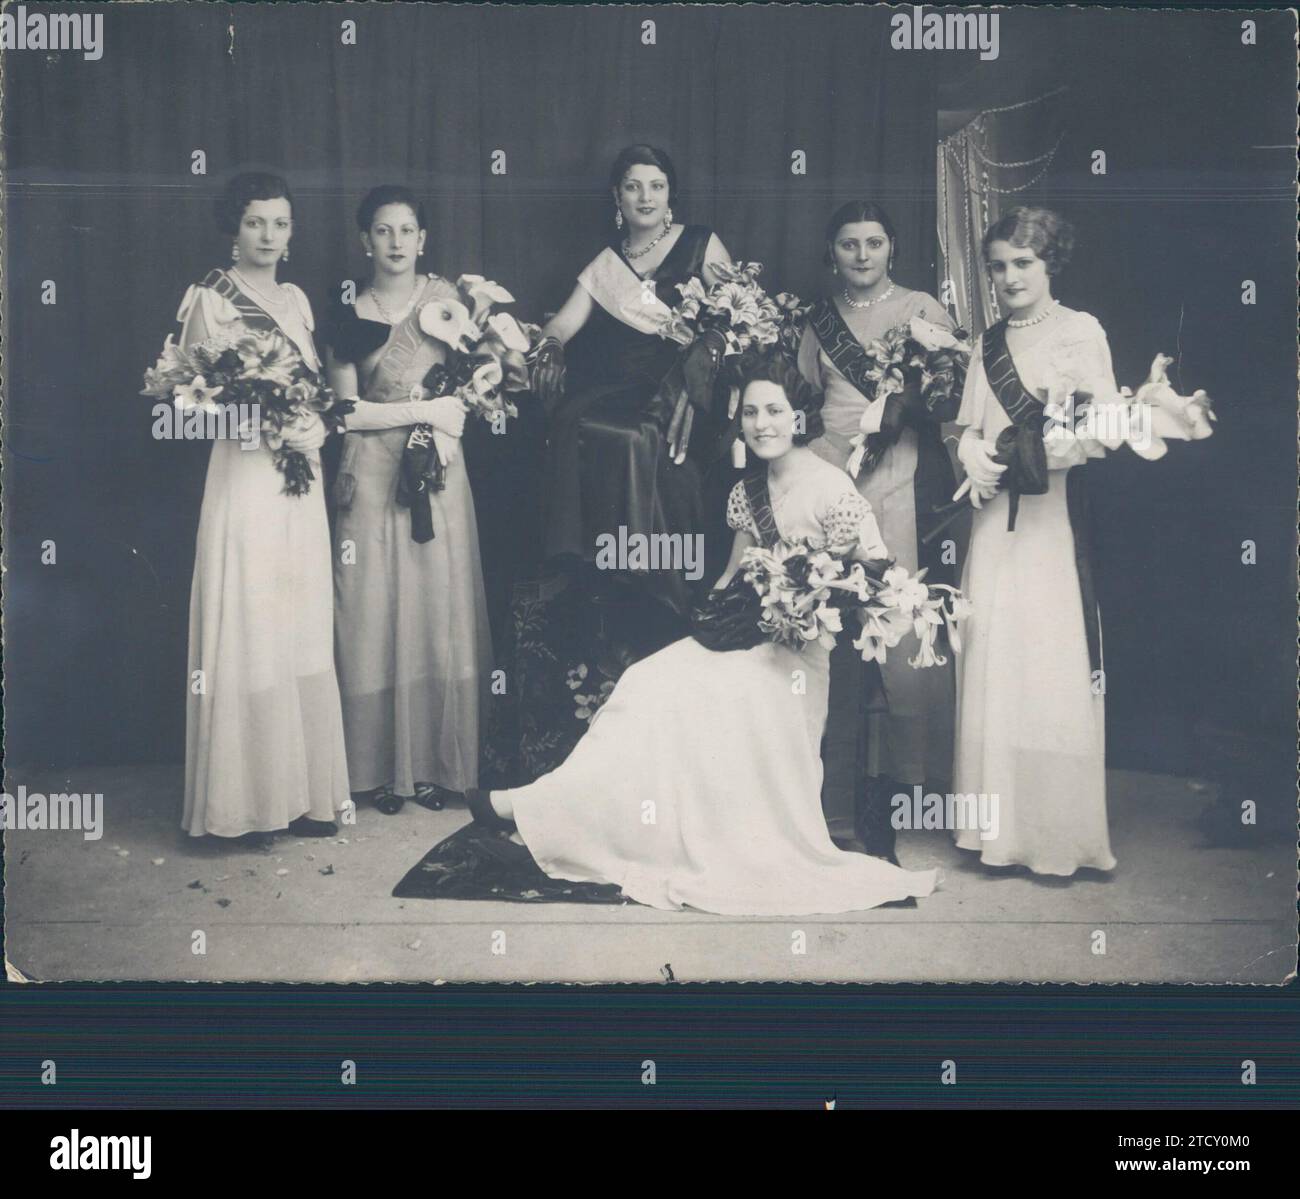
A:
x: 871, y: 819
x: 480, y: 807
x: 388, y: 801
x: 305, y: 826
x: 433, y: 797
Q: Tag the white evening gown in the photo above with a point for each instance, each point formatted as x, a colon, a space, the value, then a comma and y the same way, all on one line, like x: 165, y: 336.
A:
x: 264, y: 736
x: 699, y: 782
x: 1030, y: 728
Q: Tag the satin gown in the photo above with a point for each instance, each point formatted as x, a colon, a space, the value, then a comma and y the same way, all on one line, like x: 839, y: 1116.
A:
x: 909, y: 728
x: 411, y: 629
x: 698, y: 784
x: 264, y: 729
x: 1030, y: 723
x: 608, y: 465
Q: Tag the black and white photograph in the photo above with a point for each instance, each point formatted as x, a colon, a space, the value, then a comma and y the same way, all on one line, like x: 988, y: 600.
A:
x: 649, y: 493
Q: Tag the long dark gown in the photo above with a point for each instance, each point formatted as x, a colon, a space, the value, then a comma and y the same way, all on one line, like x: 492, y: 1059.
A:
x: 608, y: 463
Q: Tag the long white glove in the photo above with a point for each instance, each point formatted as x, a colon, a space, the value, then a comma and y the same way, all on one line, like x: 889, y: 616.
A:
x: 446, y: 414
x: 976, y: 455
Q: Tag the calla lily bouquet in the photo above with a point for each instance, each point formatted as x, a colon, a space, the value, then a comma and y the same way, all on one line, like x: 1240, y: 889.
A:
x: 259, y: 378
x: 487, y: 348
x: 803, y: 594
x: 736, y: 306
x: 917, y: 371
x: 485, y: 360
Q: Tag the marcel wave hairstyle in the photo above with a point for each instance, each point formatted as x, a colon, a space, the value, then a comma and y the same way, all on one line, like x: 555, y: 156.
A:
x: 240, y: 191
x: 852, y: 213
x: 774, y: 367
x: 1047, y: 233
x: 643, y: 154
x: 390, y: 193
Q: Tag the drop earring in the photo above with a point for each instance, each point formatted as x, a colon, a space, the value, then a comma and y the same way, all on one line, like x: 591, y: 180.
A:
x: 668, y: 220
x: 285, y: 256
x: 618, y: 216
x: 234, y: 251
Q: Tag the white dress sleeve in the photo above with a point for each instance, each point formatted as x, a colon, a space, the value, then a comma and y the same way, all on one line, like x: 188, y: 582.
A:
x: 739, y: 517
x: 303, y: 305
x: 1085, y: 366
x: 848, y: 523
x: 203, y: 314
x: 977, y: 392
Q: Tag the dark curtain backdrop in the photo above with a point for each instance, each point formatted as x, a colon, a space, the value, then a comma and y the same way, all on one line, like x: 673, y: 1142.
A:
x: 1199, y: 195
x: 102, y: 201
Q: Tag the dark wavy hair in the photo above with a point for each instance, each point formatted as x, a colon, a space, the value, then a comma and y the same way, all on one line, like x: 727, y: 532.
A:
x: 774, y: 367
x: 240, y: 191
x: 390, y: 193
x: 1047, y: 233
x: 642, y: 154
x: 852, y: 213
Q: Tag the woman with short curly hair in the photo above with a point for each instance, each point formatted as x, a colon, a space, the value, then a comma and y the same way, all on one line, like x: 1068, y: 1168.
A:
x: 1030, y: 708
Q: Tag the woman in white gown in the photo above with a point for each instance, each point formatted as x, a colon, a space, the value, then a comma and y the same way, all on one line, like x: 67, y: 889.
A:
x: 1030, y: 709
x: 264, y: 730
x: 698, y: 784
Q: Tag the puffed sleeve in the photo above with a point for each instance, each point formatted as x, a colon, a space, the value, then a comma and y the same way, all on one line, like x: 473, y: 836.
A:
x: 203, y: 314
x: 303, y: 305
x: 848, y: 523
x: 1096, y: 372
x: 929, y: 309
x: 976, y: 393
x: 739, y: 516
x: 809, y: 360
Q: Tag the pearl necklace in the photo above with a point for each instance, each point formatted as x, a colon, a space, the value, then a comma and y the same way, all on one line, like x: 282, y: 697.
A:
x: 631, y: 254
x: 388, y: 316
x: 1033, y: 320
x: 852, y: 303
x: 279, y: 302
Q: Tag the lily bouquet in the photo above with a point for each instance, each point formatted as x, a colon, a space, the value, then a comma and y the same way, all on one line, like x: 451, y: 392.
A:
x: 1077, y: 426
x: 485, y: 362
x: 917, y: 371
x: 734, y: 305
x: 794, y: 595
x: 259, y: 379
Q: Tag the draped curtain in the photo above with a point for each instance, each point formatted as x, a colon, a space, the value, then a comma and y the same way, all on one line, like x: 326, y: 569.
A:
x: 991, y: 161
x: 504, y: 119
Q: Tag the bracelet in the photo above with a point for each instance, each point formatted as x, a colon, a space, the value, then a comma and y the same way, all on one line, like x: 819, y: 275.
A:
x: 536, y: 351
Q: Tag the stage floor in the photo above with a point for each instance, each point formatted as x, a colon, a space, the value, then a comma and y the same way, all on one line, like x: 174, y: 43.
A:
x: 128, y: 906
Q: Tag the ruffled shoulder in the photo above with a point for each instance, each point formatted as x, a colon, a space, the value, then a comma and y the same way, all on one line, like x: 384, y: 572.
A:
x: 847, y: 521
x: 739, y: 516
x: 924, y: 305
x: 302, y: 304
x: 214, y: 308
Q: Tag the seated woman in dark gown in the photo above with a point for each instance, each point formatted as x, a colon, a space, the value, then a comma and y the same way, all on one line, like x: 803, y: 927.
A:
x: 618, y: 465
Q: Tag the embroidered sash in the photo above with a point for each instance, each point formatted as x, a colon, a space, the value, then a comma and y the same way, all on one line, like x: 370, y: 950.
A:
x: 933, y: 482
x: 841, y: 347
x: 254, y: 315
x: 1028, y: 417
x: 760, y: 507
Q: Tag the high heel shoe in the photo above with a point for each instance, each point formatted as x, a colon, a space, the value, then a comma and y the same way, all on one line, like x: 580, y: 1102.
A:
x: 388, y: 801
